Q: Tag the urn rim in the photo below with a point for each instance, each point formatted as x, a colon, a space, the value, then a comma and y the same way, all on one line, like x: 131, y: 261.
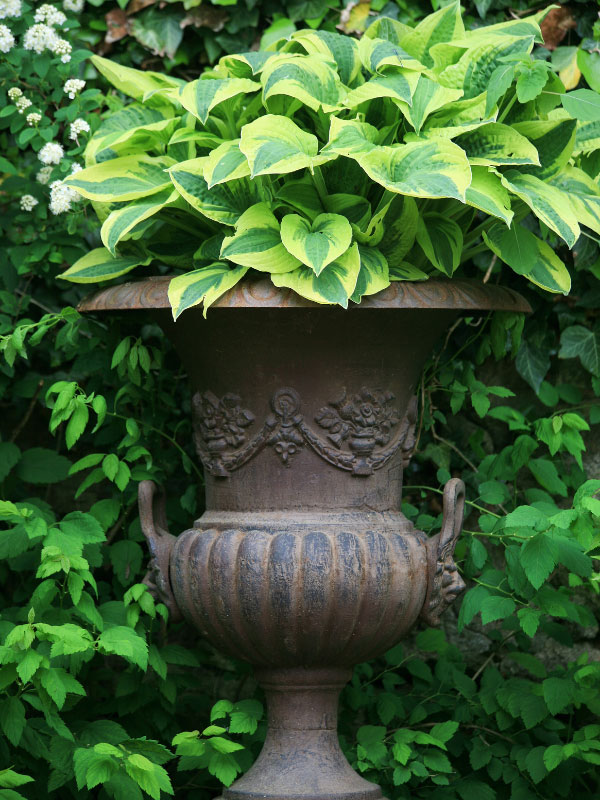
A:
x: 458, y: 295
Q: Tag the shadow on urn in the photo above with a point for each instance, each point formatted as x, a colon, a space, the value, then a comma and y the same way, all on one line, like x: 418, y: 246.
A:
x: 303, y: 563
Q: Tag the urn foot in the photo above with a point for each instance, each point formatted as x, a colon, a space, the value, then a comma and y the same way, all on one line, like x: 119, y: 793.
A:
x: 301, y: 758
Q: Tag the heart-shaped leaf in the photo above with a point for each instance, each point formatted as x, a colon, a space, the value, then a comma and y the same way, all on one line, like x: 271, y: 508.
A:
x: 319, y: 243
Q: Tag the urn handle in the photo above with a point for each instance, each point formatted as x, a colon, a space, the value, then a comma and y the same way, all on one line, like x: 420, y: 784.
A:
x: 153, y: 520
x: 444, y: 580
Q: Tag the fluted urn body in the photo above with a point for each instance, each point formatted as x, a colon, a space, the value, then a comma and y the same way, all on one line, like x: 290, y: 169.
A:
x: 303, y: 563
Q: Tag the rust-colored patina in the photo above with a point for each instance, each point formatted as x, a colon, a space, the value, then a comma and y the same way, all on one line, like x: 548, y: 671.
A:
x: 303, y: 563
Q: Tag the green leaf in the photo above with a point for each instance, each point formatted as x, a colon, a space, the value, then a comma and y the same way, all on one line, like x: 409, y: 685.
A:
x: 528, y: 255
x: 441, y: 240
x: 538, y: 559
x: 202, y: 285
x: 257, y: 242
x: 9, y: 457
x: 28, y: 665
x: 529, y: 619
x: 584, y: 196
x: 122, y: 221
x: 315, y: 244
x: 551, y: 205
x: 100, y: 265
x: 583, y: 343
x: 554, y: 141
x: 12, y: 719
x: 434, y: 168
x: 42, y: 466
x: 373, y: 276
x: 499, y: 83
x: 495, y: 607
x: 487, y: 193
x: 582, y: 104
x: 308, y: 79
x: 428, y: 96
x: 350, y: 137
x: 337, y: 49
x: 126, y: 557
x: 224, y: 767
x: 400, y: 230
x: 134, y: 82
x: 275, y: 145
x: 120, y: 179
x: 335, y: 284
x: 546, y: 474
x: 201, y: 96
x: 397, y: 85
x: 532, y: 364
x: 225, y: 163
x: 531, y: 81
x: 10, y: 779
x: 496, y: 144
x: 126, y: 643
x: 245, y: 716
x: 557, y: 694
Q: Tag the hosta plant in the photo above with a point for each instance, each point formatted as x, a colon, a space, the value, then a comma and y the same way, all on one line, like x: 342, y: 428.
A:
x: 338, y: 165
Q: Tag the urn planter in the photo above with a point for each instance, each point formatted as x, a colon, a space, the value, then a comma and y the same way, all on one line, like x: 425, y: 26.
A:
x: 303, y: 563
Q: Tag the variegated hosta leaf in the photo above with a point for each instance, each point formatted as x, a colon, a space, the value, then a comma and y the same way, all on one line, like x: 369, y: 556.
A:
x: 442, y: 26
x: 584, y: 195
x: 302, y: 196
x: 373, y: 276
x: 434, y: 168
x: 135, y: 83
x: 441, y: 240
x: 202, y: 139
x: 100, y: 265
x: 371, y: 233
x: 554, y: 141
x: 225, y: 163
x: 339, y: 50
x: 487, y: 193
x: 407, y: 272
x: 473, y: 70
x: 400, y: 229
x: 496, y: 144
x: 427, y: 97
x: 257, y: 242
x: 377, y: 54
x: 398, y: 84
x: 123, y: 220
x: 391, y: 30
x: 244, y: 65
x: 122, y: 179
x: 223, y: 203
x: 201, y: 96
x: 275, y: 145
x: 356, y: 209
x: 529, y: 256
x: 310, y: 79
x: 202, y: 285
x: 350, y: 137
x: 588, y: 138
x: 551, y: 205
x: 335, y: 284
x: 526, y: 28
x: 142, y: 140
x: 318, y: 243
x: 458, y: 117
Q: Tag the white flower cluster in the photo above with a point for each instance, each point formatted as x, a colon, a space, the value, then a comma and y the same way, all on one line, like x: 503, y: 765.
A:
x: 42, y: 37
x: 78, y: 126
x: 10, y: 8
x: 34, y: 118
x: 7, y: 40
x: 74, y: 5
x: 28, y: 202
x: 62, y: 196
x: 44, y: 174
x: 73, y: 86
x: 51, y: 153
x: 22, y: 103
x: 50, y: 15
x: 14, y: 92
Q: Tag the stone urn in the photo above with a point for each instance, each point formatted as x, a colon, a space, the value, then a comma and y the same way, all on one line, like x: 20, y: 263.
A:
x: 303, y: 563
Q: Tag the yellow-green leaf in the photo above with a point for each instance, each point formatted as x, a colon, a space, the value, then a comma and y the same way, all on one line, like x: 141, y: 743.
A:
x: 335, y: 284
x: 202, y: 285
x: 100, y: 265
x: 487, y: 193
x: 225, y: 163
x: 496, y: 144
x: 122, y: 179
x: 201, y: 96
x: 373, y: 276
x: 441, y: 240
x: 318, y: 243
x: 257, y: 242
x: 307, y: 78
x: 123, y: 220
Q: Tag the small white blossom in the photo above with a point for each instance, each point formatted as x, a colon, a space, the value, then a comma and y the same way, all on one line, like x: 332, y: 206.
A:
x: 28, y: 202
x: 73, y: 86
x: 39, y: 37
x: 10, y: 8
x: 75, y: 168
x: 63, y: 49
x: 61, y: 197
x: 14, y: 92
x: 74, y: 5
x: 33, y: 118
x: 44, y: 174
x: 78, y: 126
x: 50, y: 15
x: 7, y: 40
x: 22, y: 103
x: 51, y: 153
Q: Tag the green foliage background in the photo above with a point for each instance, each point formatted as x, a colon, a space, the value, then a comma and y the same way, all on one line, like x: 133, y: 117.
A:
x: 97, y: 691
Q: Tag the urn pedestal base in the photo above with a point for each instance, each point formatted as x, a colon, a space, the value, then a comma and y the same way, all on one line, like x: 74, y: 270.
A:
x: 301, y: 758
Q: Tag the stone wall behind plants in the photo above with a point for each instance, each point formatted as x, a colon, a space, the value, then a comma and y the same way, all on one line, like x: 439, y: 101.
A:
x: 99, y: 695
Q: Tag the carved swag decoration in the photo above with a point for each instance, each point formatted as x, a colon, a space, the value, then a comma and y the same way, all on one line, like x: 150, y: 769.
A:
x: 360, y: 433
